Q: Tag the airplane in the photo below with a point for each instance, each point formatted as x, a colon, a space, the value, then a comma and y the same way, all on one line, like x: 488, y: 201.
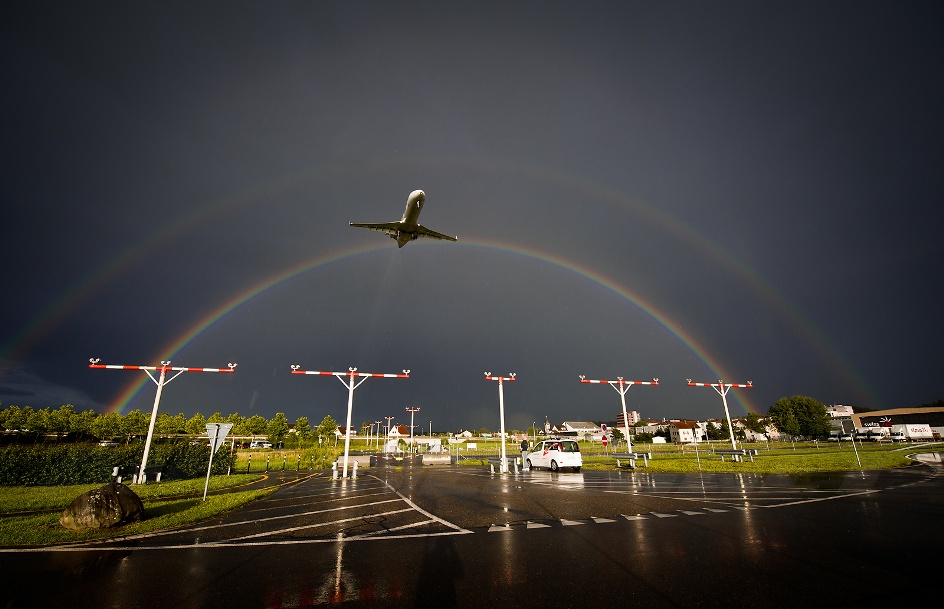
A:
x: 407, y: 229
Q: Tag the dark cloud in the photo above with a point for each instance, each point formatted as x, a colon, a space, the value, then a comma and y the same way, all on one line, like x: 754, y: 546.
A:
x: 678, y: 191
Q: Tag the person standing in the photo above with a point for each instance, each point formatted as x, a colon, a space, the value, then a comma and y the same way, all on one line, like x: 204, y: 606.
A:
x: 524, y: 453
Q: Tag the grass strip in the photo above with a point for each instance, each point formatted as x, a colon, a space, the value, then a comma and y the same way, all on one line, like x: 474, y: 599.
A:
x: 781, y: 458
x: 33, y: 498
x: 41, y: 529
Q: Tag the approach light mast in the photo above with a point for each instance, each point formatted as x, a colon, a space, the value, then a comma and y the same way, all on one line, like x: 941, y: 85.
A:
x: 723, y: 388
x: 160, y: 382
x: 503, y: 468
x: 351, y: 386
x: 622, y: 386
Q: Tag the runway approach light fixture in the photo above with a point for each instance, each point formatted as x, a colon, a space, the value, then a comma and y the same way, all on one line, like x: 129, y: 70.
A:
x: 160, y: 381
x: 351, y: 385
x: 722, y: 389
x: 503, y: 467
x: 621, y: 386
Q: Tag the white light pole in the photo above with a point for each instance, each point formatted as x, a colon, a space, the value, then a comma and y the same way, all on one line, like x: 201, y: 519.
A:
x: 412, y: 411
x: 378, y: 423
x: 389, y: 431
x: 503, y: 468
x: 723, y: 388
x: 622, y: 387
x: 351, y: 386
x: 160, y: 382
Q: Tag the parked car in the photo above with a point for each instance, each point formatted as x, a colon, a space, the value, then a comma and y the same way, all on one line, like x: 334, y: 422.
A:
x: 260, y: 444
x: 108, y: 443
x: 555, y: 454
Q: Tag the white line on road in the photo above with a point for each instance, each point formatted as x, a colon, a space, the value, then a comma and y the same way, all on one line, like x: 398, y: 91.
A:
x: 313, y: 526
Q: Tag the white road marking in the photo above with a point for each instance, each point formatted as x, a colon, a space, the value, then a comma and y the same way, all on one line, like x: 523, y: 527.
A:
x: 313, y: 526
x: 424, y: 512
x: 247, y: 522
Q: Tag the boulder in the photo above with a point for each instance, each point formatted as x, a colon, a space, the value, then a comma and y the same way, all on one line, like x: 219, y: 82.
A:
x: 109, y: 506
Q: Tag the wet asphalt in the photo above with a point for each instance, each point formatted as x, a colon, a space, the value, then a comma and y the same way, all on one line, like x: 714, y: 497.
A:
x: 444, y: 536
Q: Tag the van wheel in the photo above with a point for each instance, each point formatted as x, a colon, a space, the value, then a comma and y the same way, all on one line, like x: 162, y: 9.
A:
x: 529, y: 463
x: 554, y: 466
x: 576, y: 469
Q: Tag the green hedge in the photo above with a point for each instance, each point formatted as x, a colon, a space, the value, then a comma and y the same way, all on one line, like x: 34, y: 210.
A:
x: 41, y: 465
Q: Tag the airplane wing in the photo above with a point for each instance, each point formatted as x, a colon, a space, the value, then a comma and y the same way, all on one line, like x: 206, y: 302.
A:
x: 422, y: 231
x: 387, y: 227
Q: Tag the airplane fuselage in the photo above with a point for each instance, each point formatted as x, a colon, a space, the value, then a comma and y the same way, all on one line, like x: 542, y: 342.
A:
x: 411, y: 217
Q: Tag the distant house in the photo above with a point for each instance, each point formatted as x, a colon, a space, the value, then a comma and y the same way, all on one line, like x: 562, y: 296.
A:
x: 770, y: 433
x: 839, y: 411
x: 342, y: 431
x: 580, y: 429
x: 463, y: 434
x: 684, y: 432
x: 399, y: 431
x: 652, y: 427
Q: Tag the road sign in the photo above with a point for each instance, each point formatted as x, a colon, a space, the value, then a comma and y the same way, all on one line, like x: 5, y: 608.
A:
x: 605, y: 440
x: 217, y: 432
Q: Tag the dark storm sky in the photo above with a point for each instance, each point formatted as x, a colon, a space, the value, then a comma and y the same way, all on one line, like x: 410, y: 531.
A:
x: 674, y: 190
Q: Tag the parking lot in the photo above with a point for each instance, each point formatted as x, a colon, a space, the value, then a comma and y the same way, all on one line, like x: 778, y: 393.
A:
x: 462, y: 535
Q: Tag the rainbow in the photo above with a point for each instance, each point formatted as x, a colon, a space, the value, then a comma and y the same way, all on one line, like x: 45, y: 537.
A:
x: 194, y: 332
x: 50, y: 316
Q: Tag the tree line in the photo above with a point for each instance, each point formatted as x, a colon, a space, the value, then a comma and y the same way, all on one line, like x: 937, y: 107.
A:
x: 797, y: 416
x: 36, y: 424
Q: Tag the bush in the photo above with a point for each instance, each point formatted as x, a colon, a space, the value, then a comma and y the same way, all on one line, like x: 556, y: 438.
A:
x: 41, y: 465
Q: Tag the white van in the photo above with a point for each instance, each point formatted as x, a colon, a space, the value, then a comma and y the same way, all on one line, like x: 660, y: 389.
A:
x: 260, y: 444
x: 555, y: 454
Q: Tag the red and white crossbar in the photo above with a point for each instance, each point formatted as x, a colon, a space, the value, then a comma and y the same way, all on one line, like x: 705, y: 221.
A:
x: 170, y: 368
x: 620, y: 382
x: 622, y: 386
x: 500, y: 379
x: 720, y: 384
x: 352, y: 373
x: 160, y: 381
x: 722, y: 389
x: 365, y: 374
